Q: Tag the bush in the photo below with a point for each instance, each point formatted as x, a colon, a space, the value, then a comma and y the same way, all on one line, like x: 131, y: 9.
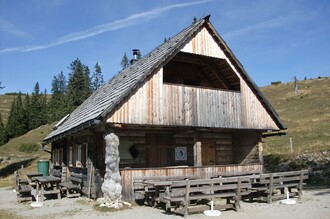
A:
x: 28, y: 147
x: 275, y: 82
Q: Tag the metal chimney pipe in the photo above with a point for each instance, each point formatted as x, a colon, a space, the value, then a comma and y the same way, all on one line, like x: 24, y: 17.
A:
x: 135, y: 53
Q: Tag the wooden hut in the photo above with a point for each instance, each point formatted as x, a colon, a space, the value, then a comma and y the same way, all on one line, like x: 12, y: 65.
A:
x: 187, y: 107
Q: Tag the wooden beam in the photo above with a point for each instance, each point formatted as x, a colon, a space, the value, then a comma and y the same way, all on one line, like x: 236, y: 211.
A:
x: 198, y: 154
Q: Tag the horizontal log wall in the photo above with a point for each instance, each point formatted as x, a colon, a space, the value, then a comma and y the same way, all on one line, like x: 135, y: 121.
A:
x: 245, y: 147
x: 128, y: 175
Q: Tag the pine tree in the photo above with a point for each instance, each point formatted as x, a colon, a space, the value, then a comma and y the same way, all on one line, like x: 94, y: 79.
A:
x: 194, y: 20
x: 97, y: 78
x: 27, y: 109
x: 3, y: 133
x: 36, y: 108
x: 17, y: 121
x: 124, y: 62
x: 43, y: 113
x: 79, y: 88
x: 57, y: 106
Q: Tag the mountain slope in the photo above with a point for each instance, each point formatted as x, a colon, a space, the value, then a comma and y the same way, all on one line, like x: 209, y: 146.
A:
x: 306, y: 114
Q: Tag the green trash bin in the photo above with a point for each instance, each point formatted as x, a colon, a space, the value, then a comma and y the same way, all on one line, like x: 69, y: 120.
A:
x: 43, y: 167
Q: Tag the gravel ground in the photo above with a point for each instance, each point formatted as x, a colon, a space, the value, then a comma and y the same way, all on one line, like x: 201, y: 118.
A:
x: 315, y: 204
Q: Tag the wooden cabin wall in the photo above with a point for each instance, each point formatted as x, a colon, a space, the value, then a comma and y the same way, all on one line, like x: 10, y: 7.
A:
x: 144, y: 106
x: 175, y: 105
x: 245, y: 147
x: 203, y: 44
x: 254, y: 115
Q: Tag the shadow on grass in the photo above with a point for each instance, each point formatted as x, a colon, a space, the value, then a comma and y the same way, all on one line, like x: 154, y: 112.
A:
x: 10, y: 169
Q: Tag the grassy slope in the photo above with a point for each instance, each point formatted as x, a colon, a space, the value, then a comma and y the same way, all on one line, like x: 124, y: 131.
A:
x: 13, y: 159
x: 306, y: 114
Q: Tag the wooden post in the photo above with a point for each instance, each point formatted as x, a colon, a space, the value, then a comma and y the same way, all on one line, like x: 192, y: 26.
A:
x: 198, y: 154
x: 187, y: 201
x: 260, y: 149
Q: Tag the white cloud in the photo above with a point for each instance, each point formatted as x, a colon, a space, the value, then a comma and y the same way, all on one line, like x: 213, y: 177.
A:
x: 11, y: 29
x: 115, y: 25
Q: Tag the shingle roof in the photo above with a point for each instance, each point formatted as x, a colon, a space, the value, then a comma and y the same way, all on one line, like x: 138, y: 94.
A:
x: 106, y: 98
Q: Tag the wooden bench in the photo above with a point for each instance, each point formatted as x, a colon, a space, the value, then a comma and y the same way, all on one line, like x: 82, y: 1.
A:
x: 252, y: 173
x: 23, y: 190
x: 72, y: 188
x: 186, y: 196
x: 32, y: 178
x: 271, y: 184
x: 148, y: 192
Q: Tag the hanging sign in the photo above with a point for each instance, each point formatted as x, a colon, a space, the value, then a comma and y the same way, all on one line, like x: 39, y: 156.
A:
x: 181, y: 153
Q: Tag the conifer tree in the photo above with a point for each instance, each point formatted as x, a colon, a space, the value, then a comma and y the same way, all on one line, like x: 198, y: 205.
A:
x: 27, y: 109
x: 3, y: 133
x: 36, y: 109
x: 57, y: 106
x: 97, y: 78
x: 79, y: 88
x: 124, y: 62
x: 17, y: 121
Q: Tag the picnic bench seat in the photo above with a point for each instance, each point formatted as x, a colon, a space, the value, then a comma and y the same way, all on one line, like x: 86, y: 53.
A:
x: 23, y: 190
x: 185, y: 197
x: 147, y: 191
x: 270, y: 184
x: 31, y: 178
x: 72, y: 188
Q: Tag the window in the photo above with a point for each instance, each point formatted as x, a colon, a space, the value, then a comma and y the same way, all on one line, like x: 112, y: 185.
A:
x: 80, y: 154
x: 58, y: 157
x: 70, y: 156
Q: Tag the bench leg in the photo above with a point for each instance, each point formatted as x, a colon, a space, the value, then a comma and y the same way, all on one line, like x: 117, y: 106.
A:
x: 269, y: 198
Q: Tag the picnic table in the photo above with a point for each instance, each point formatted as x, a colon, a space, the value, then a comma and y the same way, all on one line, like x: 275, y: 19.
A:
x: 160, y: 188
x: 47, y: 185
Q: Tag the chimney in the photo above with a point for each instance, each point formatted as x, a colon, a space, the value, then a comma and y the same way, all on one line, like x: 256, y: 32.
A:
x: 136, y: 55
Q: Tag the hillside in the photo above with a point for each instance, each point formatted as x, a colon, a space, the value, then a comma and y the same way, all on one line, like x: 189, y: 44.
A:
x: 306, y: 114
x: 11, y: 159
x: 5, y: 105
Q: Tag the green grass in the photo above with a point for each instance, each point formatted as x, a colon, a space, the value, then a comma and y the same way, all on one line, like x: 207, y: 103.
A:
x: 13, y: 159
x: 306, y: 114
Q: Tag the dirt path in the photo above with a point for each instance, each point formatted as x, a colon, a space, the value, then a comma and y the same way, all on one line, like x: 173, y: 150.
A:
x: 314, y: 204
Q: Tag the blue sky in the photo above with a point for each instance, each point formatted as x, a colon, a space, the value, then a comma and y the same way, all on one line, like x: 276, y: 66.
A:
x: 274, y: 40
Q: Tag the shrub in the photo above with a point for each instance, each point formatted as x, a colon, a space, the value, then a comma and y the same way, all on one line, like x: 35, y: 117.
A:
x: 28, y: 147
x: 275, y: 82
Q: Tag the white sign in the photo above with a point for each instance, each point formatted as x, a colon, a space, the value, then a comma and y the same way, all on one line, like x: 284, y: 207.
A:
x: 181, y: 153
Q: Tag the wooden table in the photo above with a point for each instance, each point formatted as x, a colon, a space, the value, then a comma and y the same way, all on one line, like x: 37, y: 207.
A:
x: 160, y: 187
x: 32, y: 178
x: 47, y: 185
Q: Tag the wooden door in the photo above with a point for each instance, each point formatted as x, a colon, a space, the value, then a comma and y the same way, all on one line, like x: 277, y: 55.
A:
x: 208, y: 153
x: 158, y: 148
